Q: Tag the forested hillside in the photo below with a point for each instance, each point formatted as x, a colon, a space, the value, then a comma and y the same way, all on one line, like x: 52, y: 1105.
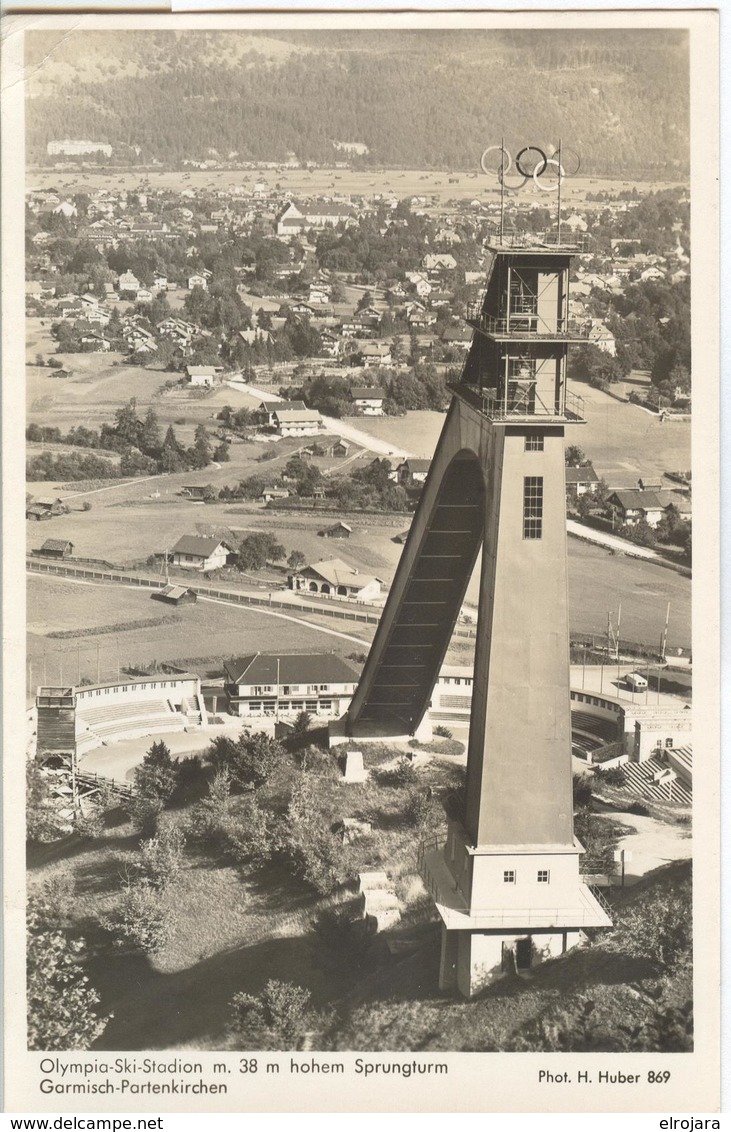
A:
x: 415, y: 99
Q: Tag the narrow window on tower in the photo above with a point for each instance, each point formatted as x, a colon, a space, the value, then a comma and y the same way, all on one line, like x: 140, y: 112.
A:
x: 533, y: 507
x: 534, y: 442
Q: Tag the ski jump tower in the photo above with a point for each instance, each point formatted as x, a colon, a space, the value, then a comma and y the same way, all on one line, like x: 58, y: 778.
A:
x: 506, y: 883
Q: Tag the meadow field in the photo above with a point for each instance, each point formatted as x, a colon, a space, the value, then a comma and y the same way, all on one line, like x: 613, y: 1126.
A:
x: 137, y: 631
x: 458, y: 185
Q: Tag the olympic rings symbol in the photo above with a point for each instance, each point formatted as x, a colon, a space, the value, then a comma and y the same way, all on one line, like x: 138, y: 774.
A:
x: 531, y: 164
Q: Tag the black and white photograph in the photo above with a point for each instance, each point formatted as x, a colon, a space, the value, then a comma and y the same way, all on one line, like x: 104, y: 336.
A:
x: 356, y: 376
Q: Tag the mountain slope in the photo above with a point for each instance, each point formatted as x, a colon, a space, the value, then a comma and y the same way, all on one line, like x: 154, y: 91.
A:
x: 418, y: 99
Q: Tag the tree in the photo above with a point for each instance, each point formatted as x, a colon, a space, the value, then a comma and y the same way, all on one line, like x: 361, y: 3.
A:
x: 172, y: 453
x: 62, y: 1004
x: 249, y: 760
x: 128, y: 425
x: 301, y: 725
x: 296, y: 560
x: 149, y: 434
x: 201, y: 446
x: 255, y: 550
x: 575, y: 457
x: 155, y: 780
x: 276, y: 1018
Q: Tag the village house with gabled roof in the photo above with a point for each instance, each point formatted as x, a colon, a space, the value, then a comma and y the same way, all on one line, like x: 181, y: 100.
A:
x: 581, y: 480
x: 375, y: 353
x: 337, y: 530
x: 439, y: 261
x: 272, y: 407
x: 202, y: 375
x: 413, y: 471
x: 368, y: 400
x: 297, y: 422
x: 631, y: 506
x: 334, y: 578
x: 128, y: 281
x: 284, y: 684
x: 196, y: 552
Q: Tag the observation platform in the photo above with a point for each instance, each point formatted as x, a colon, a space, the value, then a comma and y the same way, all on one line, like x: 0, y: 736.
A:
x: 538, y: 243
x: 528, y: 328
x: 502, y: 410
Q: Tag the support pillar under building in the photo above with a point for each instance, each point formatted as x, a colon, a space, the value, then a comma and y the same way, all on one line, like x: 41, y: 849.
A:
x: 506, y: 883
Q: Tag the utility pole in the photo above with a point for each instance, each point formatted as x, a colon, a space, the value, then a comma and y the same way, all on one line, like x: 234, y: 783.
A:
x: 664, y: 638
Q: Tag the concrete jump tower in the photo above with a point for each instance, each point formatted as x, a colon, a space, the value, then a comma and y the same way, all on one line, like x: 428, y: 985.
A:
x: 506, y: 883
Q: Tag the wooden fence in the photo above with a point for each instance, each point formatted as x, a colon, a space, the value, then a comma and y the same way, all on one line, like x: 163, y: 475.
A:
x: 67, y: 571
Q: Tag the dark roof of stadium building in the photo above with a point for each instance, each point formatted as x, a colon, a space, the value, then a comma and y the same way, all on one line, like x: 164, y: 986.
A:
x: 196, y: 544
x: 291, y: 668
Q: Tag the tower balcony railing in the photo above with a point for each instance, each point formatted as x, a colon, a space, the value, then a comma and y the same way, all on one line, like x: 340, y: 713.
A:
x: 565, y: 240
x: 55, y: 696
x: 504, y: 407
x: 523, y: 324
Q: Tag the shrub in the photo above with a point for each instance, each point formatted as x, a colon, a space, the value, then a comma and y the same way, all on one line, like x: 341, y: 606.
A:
x: 311, y: 849
x: 160, y: 859
x: 420, y: 809
x: 144, y: 812
x: 582, y: 792
x: 613, y: 776
x: 61, y: 1004
x: 43, y: 822
x: 52, y: 902
x: 249, y: 760
x: 90, y: 824
x: 639, y: 809
x: 141, y: 919
x: 249, y: 836
x: 402, y: 774
x: 442, y: 731
x: 207, y: 819
x: 659, y: 928
x: 276, y: 1018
